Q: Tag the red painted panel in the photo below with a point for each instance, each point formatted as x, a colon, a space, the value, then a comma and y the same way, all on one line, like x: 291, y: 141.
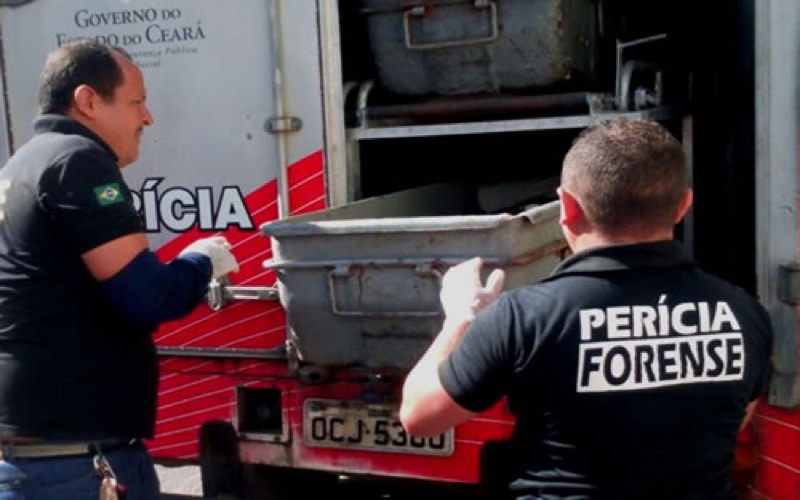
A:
x: 307, y: 185
x: 778, y: 441
x: 195, y: 390
x: 776, y: 482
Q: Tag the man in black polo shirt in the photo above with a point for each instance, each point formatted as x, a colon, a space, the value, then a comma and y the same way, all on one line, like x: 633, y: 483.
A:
x: 629, y: 370
x: 80, y: 292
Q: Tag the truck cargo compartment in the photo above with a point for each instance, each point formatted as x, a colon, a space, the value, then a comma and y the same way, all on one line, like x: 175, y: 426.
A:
x: 360, y: 283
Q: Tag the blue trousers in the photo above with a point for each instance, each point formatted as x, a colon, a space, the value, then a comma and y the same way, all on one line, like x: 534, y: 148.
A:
x: 10, y: 482
x: 74, y: 477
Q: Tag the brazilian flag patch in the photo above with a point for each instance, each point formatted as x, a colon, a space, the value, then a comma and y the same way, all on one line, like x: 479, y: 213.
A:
x: 109, y: 194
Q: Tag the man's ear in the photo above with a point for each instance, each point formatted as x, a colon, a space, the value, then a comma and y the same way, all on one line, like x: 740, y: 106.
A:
x: 686, y: 203
x: 571, y: 211
x: 85, y: 99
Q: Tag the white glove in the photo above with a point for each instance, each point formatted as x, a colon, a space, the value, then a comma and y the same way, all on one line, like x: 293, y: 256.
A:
x: 218, y: 250
x: 463, y: 295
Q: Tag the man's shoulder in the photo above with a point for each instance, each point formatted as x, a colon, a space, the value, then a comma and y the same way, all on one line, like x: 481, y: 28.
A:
x: 538, y: 295
x: 56, y: 150
x: 67, y: 143
x: 52, y: 147
x: 732, y: 290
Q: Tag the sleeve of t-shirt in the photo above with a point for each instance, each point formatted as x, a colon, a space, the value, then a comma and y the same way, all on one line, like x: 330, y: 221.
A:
x: 478, y: 372
x: 765, y: 338
x: 88, y: 200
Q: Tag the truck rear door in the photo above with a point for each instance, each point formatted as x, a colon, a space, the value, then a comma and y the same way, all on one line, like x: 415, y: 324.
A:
x: 237, y: 141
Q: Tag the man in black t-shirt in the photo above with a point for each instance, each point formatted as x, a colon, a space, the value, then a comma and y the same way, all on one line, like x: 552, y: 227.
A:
x: 80, y: 291
x: 629, y: 370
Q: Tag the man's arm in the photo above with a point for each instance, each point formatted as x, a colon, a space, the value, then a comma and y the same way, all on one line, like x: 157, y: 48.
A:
x: 426, y: 408
x: 108, y: 259
x: 748, y: 415
x: 145, y: 290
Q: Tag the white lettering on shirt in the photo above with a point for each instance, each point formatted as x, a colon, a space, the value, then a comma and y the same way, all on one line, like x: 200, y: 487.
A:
x: 645, y: 346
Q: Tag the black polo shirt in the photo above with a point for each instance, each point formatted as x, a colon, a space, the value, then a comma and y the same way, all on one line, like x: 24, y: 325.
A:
x: 628, y: 371
x: 70, y: 366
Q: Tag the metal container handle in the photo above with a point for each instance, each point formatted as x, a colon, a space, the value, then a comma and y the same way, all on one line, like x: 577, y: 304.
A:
x: 421, y: 270
x: 418, y: 11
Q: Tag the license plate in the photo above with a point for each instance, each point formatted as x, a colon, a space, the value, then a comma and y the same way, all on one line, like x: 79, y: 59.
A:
x: 366, y: 426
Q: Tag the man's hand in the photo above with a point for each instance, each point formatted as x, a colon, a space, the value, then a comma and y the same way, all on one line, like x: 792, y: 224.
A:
x: 218, y: 250
x: 463, y: 295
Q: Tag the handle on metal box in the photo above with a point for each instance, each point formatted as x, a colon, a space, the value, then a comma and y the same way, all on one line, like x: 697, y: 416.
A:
x: 344, y: 272
x: 420, y: 11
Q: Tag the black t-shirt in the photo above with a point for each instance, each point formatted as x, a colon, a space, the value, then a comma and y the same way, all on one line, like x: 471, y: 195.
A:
x: 71, y: 367
x: 628, y: 371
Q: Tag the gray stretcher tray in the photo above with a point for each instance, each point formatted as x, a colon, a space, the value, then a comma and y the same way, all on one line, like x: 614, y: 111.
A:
x: 360, y: 283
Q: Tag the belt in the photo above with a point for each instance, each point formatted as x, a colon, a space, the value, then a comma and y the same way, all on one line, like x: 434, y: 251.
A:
x: 45, y: 450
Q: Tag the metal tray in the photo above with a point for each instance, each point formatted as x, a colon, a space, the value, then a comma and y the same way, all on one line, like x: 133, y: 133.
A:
x: 364, y: 289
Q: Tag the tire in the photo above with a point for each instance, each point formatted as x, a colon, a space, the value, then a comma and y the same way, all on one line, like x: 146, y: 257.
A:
x: 220, y: 470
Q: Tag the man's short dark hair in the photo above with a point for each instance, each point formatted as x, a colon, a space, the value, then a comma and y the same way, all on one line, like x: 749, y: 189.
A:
x: 79, y: 62
x: 630, y: 175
